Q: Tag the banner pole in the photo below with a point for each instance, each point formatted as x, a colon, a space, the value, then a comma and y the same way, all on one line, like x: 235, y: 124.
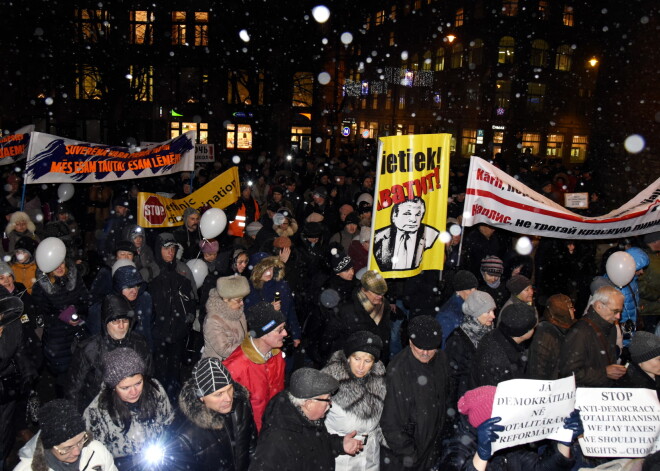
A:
x: 33, y: 136
x: 468, y: 197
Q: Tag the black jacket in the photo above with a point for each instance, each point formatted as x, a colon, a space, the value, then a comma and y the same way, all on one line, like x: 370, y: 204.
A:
x: 174, y: 303
x: 544, y: 351
x: 205, y: 440
x: 460, y: 354
x: 414, y: 414
x: 584, y: 354
x: 290, y: 442
x: 635, y: 377
x: 498, y: 358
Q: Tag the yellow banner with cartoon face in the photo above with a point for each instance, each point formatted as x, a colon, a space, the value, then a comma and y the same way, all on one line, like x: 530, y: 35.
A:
x: 411, y: 205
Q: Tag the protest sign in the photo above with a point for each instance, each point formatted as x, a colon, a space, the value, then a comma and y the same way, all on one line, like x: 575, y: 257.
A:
x: 621, y: 423
x: 533, y: 410
x: 204, y: 153
x: 576, y: 200
x: 13, y: 146
x: 411, y: 207
x: 495, y: 198
x: 52, y: 159
x: 155, y: 210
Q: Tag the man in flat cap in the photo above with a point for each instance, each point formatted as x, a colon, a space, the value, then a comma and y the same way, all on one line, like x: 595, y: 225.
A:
x: 294, y: 436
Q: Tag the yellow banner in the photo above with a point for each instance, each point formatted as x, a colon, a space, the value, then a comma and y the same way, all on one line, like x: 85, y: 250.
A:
x: 411, y: 208
x: 158, y: 211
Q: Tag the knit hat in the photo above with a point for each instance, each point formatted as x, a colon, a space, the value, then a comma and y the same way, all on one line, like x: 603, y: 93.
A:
x: 124, y: 246
x: 321, y: 191
x: 166, y: 239
x: 114, y: 307
x: 352, y: 218
x: 477, y: 404
x: 126, y: 276
x: 232, y: 287
x: 5, y: 269
x: 277, y: 189
x: 209, y: 375
x: 209, y: 246
x: 339, y: 261
x: 517, y: 319
x: 374, y: 282
x: 644, y: 346
x: 425, y: 332
x: 121, y: 363
x: 282, y: 242
x: 59, y: 421
x: 492, y: 265
x: 464, y: 279
x: 11, y: 308
x: 255, y: 258
x: 253, y: 228
x: 122, y: 262
x: 312, y: 230
x: 477, y: 303
x: 517, y: 284
x: 315, y: 217
x: 263, y: 318
x: 363, y: 341
x: 307, y: 383
x: 651, y: 237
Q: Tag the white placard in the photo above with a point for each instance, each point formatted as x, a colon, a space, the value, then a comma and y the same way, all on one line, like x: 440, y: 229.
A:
x: 204, y: 152
x: 576, y: 200
x: 532, y: 410
x: 623, y: 423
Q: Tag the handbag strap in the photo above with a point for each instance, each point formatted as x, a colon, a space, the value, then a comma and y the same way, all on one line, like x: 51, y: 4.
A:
x: 601, y: 338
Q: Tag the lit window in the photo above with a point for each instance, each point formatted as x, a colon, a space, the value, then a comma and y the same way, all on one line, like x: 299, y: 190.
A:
x: 468, y: 142
x: 392, y: 40
x: 535, y: 95
x: 402, y: 100
x: 533, y: 141
x: 93, y: 25
x: 88, y: 83
x: 179, y: 28
x: 379, y: 18
x: 505, y: 51
x: 476, y: 54
x: 510, y: 7
x: 201, y: 28
x: 544, y: 9
x: 563, y: 57
x: 426, y: 65
x: 579, y: 149
x: 142, y: 82
x: 503, y: 93
x: 303, y: 83
x: 540, y: 50
x: 239, y: 137
x: 393, y: 12
x: 177, y: 128
x: 555, y: 144
x: 457, y: 56
x: 440, y: 59
x: 460, y: 16
x: 414, y: 63
x: 142, y: 27
x: 418, y: 4
x: 567, y: 17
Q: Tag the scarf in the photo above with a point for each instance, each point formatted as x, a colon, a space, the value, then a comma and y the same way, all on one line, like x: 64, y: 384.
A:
x: 57, y: 465
x: 474, y: 329
x: 375, y: 312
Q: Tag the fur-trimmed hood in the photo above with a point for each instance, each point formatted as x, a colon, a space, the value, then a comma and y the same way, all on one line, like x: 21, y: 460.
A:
x: 362, y: 397
x: 196, y: 412
x: 68, y: 280
x: 289, y: 231
x: 260, y: 268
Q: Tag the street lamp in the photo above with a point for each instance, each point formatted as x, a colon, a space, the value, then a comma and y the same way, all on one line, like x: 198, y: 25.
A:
x: 593, y: 62
x: 450, y: 38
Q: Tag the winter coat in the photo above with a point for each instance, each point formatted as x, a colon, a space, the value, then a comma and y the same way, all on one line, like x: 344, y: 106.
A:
x: 189, y: 240
x: 201, y: 439
x: 475, y: 247
x: 357, y: 405
x: 498, y: 358
x: 51, y: 299
x: 544, y: 351
x: 631, y: 290
x: 125, y: 444
x: 291, y: 442
x: 353, y: 317
x: 224, y: 328
x: 414, y: 415
x: 344, y: 238
x: 584, y: 355
x: 173, y: 297
x: 450, y: 316
x: 635, y: 377
x: 14, y: 361
x: 460, y: 354
x: 25, y: 273
x: 93, y: 456
x: 649, y: 286
x: 85, y: 375
x: 262, y: 378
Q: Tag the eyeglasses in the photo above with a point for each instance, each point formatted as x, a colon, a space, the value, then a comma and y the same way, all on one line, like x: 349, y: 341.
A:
x: 66, y: 450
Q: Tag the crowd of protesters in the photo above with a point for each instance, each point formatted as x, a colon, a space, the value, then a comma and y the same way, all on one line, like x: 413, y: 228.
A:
x: 290, y: 355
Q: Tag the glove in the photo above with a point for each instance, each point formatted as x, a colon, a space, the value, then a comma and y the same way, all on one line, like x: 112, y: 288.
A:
x: 487, y: 434
x: 573, y: 422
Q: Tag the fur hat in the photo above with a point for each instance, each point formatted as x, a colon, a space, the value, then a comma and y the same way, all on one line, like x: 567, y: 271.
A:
x: 121, y: 363
x: 253, y: 228
x: 59, y: 421
x: 644, y: 346
x: 477, y: 404
x: 263, y: 318
x: 492, y: 265
x: 209, y: 375
x: 374, y: 282
x: 464, y: 279
x: 209, y: 246
x: 425, y: 332
x: 477, y: 303
x: 517, y: 319
x: 363, y: 341
x: 307, y: 383
x: 234, y: 286
x: 517, y: 284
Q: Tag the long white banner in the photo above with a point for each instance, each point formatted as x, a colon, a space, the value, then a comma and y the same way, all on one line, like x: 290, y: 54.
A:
x: 496, y: 198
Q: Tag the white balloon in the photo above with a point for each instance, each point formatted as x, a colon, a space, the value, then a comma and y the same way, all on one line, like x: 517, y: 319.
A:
x: 620, y: 268
x: 213, y: 222
x: 65, y: 192
x: 199, y: 270
x: 50, y: 254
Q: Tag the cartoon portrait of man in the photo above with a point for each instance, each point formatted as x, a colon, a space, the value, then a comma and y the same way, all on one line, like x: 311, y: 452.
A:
x: 401, y: 245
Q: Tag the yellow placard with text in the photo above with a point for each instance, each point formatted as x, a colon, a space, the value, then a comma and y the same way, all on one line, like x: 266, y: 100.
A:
x: 411, y: 205
x: 158, y: 211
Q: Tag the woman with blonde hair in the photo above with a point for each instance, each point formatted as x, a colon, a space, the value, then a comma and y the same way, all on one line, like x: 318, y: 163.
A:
x: 20, y: 225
